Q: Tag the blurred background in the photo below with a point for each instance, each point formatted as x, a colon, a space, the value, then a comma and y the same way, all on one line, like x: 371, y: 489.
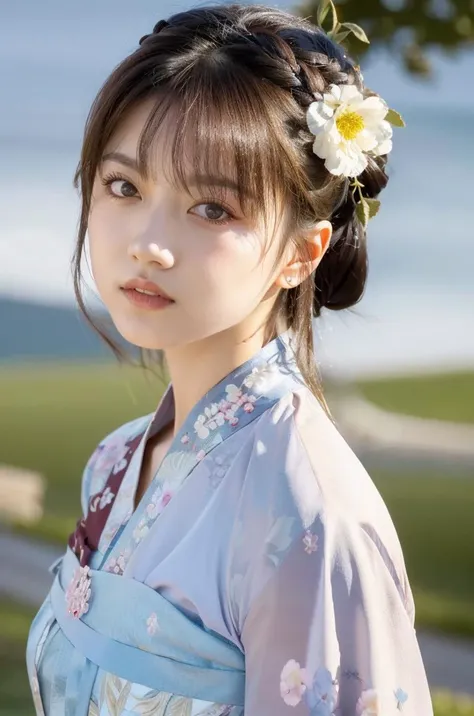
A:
x: 398, y: 369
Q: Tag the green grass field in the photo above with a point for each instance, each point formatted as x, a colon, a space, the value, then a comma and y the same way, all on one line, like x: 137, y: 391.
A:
x: 433, y: 516
x: 52, y: 417
x: 445, y: 397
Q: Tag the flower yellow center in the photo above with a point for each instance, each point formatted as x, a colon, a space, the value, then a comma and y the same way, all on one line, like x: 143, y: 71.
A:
x: 349, y: 124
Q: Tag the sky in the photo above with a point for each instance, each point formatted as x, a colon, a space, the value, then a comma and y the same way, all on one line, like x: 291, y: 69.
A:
x: 55, y: 54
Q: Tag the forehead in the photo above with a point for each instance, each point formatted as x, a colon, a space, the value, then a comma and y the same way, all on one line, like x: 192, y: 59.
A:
x: 149, y: 134
x: 129, y: 135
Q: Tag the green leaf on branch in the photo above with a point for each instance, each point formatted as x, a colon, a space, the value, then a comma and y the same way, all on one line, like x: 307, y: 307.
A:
x: 374, y: 206
x: 395, y: 118
x: 357, y: 31
x: 340, y: 36
x: 323, y: 10
x: 363, y: 212
x: 335, y: 22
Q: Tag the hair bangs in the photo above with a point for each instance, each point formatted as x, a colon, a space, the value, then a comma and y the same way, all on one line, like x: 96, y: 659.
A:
x: 219, y: 138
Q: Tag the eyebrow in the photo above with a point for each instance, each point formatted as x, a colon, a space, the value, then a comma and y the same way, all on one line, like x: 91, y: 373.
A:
x: 122, y: 159
x: 206, y: 180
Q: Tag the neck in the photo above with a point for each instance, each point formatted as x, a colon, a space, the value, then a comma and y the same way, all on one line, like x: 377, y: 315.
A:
x: 197, y: 367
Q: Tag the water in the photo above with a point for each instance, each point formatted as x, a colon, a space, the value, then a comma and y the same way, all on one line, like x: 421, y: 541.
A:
x: 418, y: 310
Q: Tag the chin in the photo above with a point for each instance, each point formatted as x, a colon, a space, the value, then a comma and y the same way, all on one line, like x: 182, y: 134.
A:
x: 143, y: 335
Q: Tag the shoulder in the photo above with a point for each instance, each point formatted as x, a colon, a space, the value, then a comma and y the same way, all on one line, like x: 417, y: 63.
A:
x: 304, y: 482
x: 300, y: 450
x: 108, y: 452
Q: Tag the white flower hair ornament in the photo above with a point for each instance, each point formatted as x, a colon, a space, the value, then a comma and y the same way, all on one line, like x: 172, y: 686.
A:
x: 349, y: 126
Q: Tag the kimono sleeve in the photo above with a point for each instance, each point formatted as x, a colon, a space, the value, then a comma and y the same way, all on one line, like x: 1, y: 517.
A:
x: 331, y: 632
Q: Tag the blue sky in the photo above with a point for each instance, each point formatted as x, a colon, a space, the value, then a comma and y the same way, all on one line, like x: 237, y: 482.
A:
x: 54, y: 56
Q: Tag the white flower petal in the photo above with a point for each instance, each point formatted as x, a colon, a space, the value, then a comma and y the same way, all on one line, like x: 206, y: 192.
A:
x: 373, y: 110
x: 333, y: 132
x: 384, y: 148
x: 334, y: 93
x: 346, y: 160
x: 336, y: 162
x: 322, y: 145
x: 317, y: 116
x: 383, y: 135
x: 366, y: 140
x: 359, y: 165
x: 350, y: 94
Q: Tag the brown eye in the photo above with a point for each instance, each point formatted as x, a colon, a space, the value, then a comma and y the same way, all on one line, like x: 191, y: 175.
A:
x: 126, y: 189
x: 214, y: 213
x: 118, y: 187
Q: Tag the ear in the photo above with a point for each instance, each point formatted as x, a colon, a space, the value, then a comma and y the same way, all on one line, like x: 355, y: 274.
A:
x: 300, y: 267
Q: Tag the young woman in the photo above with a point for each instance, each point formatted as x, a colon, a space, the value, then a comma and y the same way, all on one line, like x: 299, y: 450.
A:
x: 234, y: 557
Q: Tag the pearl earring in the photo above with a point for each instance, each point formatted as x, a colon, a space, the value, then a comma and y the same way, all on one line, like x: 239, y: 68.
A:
x: 289, y: 279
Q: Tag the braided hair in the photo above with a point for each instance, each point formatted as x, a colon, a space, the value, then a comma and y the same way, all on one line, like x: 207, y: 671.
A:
x: 239, y: 80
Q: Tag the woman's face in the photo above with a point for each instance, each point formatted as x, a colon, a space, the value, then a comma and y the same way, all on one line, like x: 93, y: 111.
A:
x: 215, y: 266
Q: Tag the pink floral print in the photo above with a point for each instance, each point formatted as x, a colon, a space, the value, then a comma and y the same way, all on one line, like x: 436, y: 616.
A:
x: 368, y: 703
x: 78, y: 593
x: 141, y: 530
x: 292, y: 683
x: 321, y: 692
x: 263, y: 377
x: 310, y: 542
x: 217, y: 414
x: 117, y: 565
x: 99, y: 502
x: 112, y: 455
x: 152, y: 624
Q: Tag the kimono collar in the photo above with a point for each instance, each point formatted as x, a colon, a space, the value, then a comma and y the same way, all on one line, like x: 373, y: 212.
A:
x: 236, y: 400
x: 241, y: 397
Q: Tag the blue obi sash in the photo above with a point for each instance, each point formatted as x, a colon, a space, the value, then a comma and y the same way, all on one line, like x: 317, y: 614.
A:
x: 172, y: 654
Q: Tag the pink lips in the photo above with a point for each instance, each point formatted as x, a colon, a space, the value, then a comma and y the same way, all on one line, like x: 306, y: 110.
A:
x: 146, y: 294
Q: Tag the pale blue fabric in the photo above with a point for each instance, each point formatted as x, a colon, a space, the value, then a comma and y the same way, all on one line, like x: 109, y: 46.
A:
x: 184, y: 659
x: 274, y: 572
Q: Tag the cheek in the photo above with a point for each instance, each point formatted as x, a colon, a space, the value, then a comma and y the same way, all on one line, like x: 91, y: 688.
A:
x: 104, y: 231
x: 229, y: 272
x: 227, y: 259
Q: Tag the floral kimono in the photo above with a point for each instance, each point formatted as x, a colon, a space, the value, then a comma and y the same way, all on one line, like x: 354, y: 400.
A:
x: 260, y: 574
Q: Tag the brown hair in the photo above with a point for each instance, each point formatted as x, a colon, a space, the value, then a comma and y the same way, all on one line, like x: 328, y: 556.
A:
x: 239, y: 80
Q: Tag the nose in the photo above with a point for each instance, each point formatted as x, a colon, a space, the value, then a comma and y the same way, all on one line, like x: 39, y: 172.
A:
x: 150, y: 252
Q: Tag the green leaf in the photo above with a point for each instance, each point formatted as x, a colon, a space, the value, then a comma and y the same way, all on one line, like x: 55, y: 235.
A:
x: 363, y: 212
x: 374, y: 206
x: 323, y: 10
x: 357, y: 31
x: 395, y: 118
x: 340, y: 36
x: 335, y: 21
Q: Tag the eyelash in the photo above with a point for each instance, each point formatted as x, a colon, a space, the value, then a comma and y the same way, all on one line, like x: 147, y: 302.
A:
x: 109, y: 179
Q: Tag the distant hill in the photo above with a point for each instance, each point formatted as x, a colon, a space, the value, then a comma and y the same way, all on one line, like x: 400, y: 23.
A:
x: 32, y: 330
